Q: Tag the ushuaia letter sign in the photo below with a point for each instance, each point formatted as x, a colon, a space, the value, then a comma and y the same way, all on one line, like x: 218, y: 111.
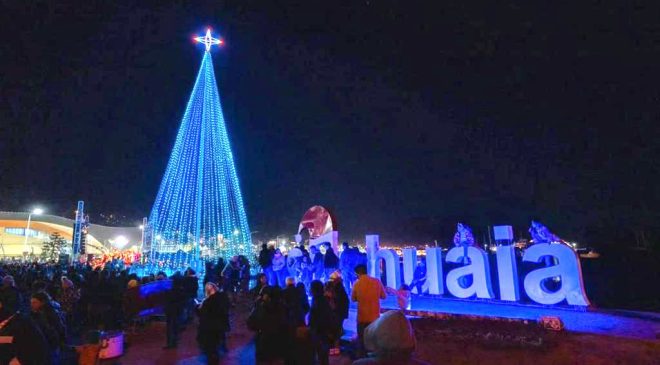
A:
x: 558, y: 262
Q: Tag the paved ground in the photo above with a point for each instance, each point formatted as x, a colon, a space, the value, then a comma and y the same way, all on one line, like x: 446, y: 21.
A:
x: 145, y: 346
x: 603, y: 322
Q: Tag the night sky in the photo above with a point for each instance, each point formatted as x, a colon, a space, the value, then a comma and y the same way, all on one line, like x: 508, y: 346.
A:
x: 401, y: 117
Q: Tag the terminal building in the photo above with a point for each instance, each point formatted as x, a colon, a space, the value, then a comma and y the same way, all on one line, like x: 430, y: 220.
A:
x: 100, y: 239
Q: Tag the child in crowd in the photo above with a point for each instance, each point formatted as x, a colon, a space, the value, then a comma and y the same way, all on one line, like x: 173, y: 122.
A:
x: 402, y: 296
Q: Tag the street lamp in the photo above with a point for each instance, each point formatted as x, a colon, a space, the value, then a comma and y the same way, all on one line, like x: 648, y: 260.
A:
x: 35, y: 211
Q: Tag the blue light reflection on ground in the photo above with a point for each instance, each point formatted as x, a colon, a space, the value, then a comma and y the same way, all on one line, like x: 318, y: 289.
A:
x: 612, y: 323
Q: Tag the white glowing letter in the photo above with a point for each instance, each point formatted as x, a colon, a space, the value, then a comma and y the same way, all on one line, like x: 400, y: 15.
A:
x: 409, y: 264
x: 373, y: 245
x: 392, y: 269
x: 478, y: 268
x: 507, y: 273
x: 567, y: 269
x: 434, y: 271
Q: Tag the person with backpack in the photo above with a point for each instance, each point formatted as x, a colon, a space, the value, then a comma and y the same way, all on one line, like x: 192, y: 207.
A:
x: 322, y: 322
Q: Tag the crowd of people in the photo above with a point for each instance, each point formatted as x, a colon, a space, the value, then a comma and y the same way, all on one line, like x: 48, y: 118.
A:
x: 44, y: 307
x: 299, y: 304
x: 317, y: 263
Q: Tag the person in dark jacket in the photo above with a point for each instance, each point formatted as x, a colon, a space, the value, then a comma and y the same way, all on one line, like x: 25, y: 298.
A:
x: 293, y: 304
x: 330, y: 261
x: 175, y: 302
x: 338, y: 300
x: 265, y: 261
x: 24, y: 342
x: 279, y: 267
x: 317, y: 263
x: 231, y: 275
x: 295, y: 316
x: 191, y: 286
x: 347, y: 262
x: 49, y: 322
x: 11, y: 296
x: 321, y: 322
x: 303, y: 298
x: 260, y: 282
x: 245, y: 276
x: 268, y: 321
x: 213, y: 322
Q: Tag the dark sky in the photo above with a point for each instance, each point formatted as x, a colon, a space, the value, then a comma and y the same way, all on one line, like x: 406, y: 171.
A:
x: 402, y: 117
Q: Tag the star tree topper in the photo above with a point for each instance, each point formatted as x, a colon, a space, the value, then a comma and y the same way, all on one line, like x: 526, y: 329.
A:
x: 208, y: 40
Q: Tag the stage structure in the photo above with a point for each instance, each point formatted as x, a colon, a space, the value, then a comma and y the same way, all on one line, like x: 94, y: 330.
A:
x: 198, y: 214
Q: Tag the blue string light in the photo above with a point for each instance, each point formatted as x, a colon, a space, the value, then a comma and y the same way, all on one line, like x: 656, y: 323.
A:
x: 199, y: 212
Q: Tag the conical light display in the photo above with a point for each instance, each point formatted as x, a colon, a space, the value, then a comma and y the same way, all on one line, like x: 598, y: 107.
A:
x: 199, y: 212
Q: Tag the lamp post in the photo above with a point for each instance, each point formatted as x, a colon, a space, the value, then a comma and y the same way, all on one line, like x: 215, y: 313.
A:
x: 35, y: 211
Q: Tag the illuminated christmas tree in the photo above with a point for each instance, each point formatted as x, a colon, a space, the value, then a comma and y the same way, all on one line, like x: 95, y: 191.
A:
x: 199, y: 210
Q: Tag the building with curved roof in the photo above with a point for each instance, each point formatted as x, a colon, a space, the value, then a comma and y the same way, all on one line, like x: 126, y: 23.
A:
x: 100, y: 239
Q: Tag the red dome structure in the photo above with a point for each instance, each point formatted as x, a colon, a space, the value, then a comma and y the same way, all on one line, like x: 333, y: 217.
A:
x: 318, y: 221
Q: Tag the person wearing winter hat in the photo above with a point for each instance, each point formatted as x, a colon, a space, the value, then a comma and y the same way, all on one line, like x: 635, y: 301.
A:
x: 338, y: 299
x: 391, y: 339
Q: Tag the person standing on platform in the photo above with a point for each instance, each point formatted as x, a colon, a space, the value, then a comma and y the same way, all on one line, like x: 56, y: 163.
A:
x: 280, y: 269
x: 347, y: 261
x: 367, y: 292
x: 305, y: 271
x: 419, y: 277
x: 317, y: 263
x: 266, y: 263
x: 330, y: 261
